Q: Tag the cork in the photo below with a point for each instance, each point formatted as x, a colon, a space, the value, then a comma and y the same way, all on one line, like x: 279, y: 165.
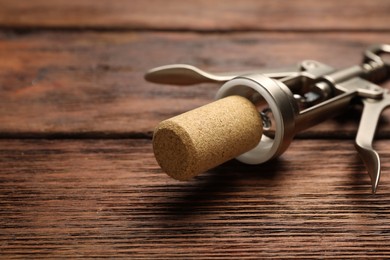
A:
x: 208, y: 136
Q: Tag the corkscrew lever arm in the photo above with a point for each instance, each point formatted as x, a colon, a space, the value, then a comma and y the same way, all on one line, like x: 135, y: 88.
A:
x: 184, y: 74
x: 363, y: 142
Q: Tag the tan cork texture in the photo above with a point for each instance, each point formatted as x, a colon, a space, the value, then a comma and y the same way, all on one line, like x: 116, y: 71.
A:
x: 203, y: 138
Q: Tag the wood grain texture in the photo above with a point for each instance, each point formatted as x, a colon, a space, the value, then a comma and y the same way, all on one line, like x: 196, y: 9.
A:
x: 73, y: 71
x: 109, y: 199
x: 92, y: 83
x: 200, y: 15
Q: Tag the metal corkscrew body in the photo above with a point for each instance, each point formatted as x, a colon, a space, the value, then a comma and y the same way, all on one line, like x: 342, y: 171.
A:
x: 286, y: 101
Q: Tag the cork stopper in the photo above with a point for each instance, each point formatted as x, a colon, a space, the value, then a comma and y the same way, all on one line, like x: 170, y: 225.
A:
x: 208, y: 136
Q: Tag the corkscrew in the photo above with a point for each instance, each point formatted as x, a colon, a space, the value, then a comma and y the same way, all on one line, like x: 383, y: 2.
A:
x: 257, y: 113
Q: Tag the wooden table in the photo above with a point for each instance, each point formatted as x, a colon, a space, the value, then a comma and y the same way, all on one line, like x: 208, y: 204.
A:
x: 78, y: 178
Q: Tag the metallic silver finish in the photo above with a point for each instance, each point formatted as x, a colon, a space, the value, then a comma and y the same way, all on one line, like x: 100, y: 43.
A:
x: 183, y: 74
x: 295, y: 98
x: 363, y: 142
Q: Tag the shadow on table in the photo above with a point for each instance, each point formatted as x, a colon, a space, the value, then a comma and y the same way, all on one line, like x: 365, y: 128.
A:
x: 226, y: 184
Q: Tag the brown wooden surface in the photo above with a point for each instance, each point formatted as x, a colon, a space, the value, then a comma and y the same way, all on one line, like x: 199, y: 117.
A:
x: 202, y: 15
x: 77, y: 174
x: 57, y: 83
x: 108, y: 198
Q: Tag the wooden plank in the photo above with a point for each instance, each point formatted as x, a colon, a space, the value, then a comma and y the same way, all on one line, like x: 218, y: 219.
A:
x: 92, y: 83
x: 108, y: 198
x: 200, y: 15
